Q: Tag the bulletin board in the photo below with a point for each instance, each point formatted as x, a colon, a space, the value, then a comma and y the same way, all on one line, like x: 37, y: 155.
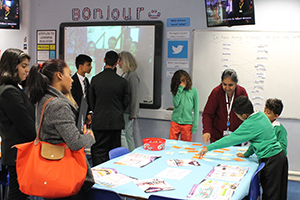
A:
x: 267, y: 64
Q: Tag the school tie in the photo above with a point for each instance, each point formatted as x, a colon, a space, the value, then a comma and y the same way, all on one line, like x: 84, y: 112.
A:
x: 85, y: 82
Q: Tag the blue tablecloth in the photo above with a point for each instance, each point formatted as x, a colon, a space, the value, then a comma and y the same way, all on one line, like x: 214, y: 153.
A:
x: 184, y: 186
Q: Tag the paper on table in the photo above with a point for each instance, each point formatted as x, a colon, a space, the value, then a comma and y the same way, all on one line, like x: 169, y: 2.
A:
x: 173, y: 173
x: 153, y: 185
x: 136, y: 159
x: 212, y: 190
x: 228, y: 172
x: 182, y: 162
x: 112, y: 180
x: 101, y: 171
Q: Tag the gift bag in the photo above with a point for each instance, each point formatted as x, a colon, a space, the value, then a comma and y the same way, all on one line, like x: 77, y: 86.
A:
x: 50, y: 171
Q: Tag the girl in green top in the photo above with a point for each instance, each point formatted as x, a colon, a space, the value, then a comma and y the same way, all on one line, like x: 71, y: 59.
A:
x: 258, y: 130
x: 185, y: 101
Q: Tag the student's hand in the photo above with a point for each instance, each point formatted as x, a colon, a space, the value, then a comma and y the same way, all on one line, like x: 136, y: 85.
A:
x: 183, y: 84
x: 206, y: 137
x: 240, y: 155
x: 203, y: 152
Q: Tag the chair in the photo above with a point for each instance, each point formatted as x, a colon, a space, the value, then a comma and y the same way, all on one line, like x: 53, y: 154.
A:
x: 116, y: 152
x: 156, y: 197
x: 254, y: 190
x: 102, y: 194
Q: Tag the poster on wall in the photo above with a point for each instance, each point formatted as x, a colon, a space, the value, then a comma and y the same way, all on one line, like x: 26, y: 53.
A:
x: 46, y: 45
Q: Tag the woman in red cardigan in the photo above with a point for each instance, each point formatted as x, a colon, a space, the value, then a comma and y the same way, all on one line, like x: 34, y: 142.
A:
x: 218, y: 118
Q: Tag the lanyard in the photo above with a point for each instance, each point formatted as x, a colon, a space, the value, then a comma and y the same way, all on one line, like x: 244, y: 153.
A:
x: 228, y: 106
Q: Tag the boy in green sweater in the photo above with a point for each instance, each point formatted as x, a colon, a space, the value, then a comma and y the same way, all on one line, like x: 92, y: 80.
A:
x: 258, y: 130
x: 273, y: 109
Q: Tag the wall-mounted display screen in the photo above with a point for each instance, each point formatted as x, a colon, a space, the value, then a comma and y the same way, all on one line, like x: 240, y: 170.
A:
x: 142, y: 38
x: 9, y: 14
x: 229, y: 12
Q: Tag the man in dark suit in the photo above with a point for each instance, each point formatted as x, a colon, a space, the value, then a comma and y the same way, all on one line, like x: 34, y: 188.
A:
x: 80, y: 83
x: 108, y: 98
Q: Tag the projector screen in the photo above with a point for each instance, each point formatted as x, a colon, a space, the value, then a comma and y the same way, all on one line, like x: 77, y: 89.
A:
x: 142, y: 38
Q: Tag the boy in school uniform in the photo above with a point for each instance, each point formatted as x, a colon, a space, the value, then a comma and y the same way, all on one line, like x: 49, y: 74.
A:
x: 258, y: 130
x: 273, y: 109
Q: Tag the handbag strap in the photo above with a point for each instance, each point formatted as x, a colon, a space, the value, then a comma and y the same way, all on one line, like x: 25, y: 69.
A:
x: 37, y: 139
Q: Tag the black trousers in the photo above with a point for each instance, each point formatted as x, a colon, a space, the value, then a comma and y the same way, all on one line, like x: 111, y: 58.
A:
x: 274, y: 177
x: 14, y: 192
x: 106, y: 140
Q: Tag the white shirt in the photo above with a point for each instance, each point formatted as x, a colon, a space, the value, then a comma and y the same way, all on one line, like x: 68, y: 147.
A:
x: 81, y: 79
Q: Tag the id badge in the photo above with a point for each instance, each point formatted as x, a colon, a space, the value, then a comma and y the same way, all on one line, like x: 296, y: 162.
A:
x: 225, y: 133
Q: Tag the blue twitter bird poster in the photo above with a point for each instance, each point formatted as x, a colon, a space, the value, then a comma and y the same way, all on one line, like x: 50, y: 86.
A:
x: 177, y: 49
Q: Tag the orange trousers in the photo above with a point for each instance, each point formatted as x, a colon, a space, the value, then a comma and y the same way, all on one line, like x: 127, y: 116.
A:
x: 185, y: 131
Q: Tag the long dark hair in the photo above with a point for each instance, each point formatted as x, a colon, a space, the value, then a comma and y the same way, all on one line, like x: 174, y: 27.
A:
x: 175, y: 82
x: 40, y: 76
x: 8, y: 65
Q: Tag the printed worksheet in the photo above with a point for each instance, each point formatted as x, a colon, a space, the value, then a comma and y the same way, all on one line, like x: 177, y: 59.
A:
x: 213, y: 190
x: 173, y: 173
x: 136, y: 159
x: 153, y: 185
x: 101, y: 171
x: 109, y: 177
x: 182, y: 162
x: 113, y: 180
x: 228, y: 172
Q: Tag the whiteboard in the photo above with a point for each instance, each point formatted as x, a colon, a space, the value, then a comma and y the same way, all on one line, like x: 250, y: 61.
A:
x: 267, y: 64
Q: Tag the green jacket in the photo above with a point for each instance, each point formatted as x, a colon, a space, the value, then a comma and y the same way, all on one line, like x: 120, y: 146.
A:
x: 258, y: 130
x: 185, y: 102
x: 281, y: 135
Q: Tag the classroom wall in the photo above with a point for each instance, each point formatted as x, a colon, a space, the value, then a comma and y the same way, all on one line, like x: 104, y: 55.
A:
x: 271, y: 15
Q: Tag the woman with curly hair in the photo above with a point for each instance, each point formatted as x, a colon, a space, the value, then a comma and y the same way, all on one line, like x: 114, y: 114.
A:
x: 185, y: 101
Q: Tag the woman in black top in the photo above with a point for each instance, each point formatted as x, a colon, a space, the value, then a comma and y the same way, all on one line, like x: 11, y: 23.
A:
x: 16, y: 113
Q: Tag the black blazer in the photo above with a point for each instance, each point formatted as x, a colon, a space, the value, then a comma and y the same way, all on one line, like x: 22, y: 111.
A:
x: 77, y: 89
x: 108, y: 98
x: 16, y: 122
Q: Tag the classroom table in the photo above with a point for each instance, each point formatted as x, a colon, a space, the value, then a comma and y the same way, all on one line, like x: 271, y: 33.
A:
x: 184, y: 186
